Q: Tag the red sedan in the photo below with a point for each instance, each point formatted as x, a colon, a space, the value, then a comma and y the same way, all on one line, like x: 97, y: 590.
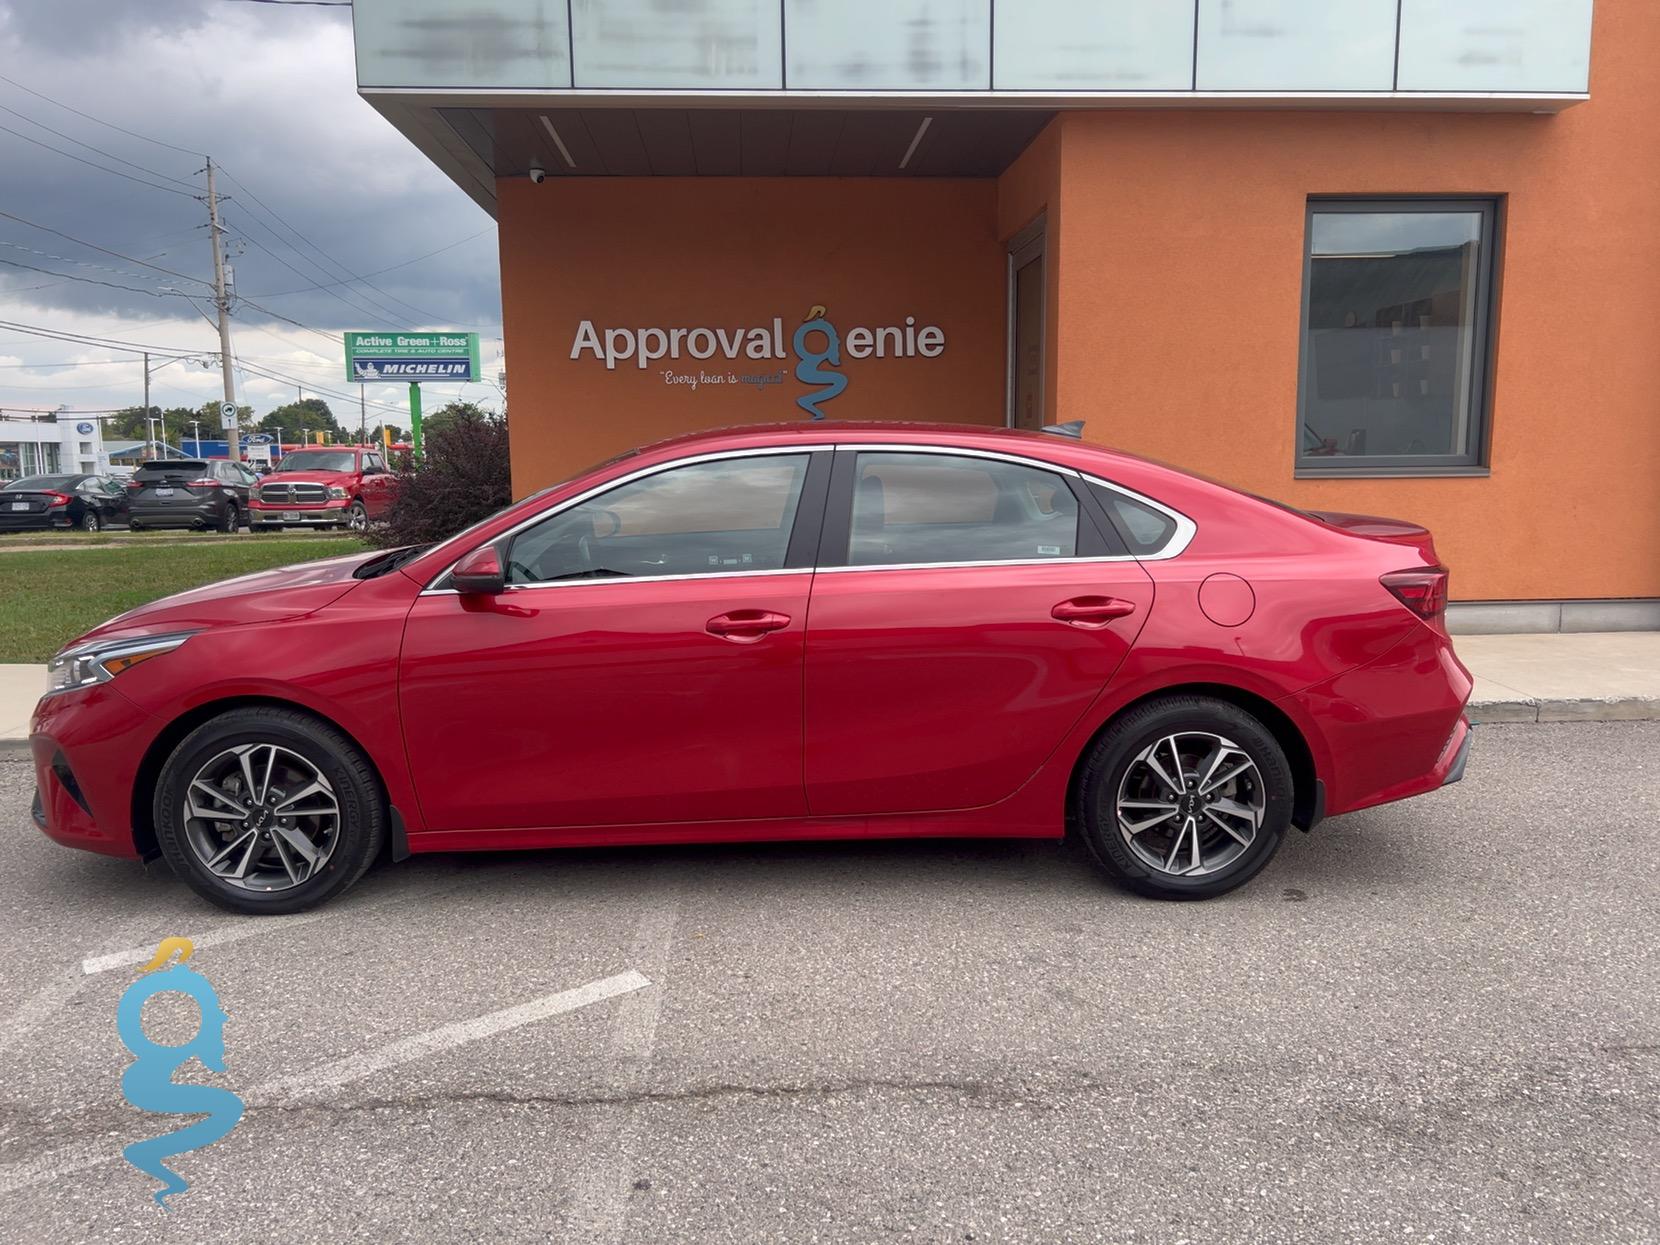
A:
x: 811, y: 631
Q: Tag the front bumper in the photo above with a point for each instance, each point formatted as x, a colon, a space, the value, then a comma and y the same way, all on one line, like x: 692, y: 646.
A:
x: 328, y: 513
x: 86, y: 746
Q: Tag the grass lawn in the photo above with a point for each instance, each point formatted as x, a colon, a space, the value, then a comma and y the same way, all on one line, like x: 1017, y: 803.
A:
x: 48, y: 598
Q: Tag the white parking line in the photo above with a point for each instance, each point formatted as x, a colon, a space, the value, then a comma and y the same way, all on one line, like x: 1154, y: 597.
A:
x: 66, y: 1160
x: 58, y: 991
x: 253, y: 926
x: 407, y: 1050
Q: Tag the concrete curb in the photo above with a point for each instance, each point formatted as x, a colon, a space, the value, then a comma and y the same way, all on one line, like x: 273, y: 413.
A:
x: 14, y: 750
x: 1579, y: 709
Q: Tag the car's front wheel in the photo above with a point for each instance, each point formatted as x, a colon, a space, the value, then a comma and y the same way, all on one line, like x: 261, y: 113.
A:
x: 268, y: 810
x: 357, y: 518
x: 1185, y: 797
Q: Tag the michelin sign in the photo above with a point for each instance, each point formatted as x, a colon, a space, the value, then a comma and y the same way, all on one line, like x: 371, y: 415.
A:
x: 411, y: 357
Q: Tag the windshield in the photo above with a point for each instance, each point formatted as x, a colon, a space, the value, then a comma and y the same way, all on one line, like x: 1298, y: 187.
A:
x: 318, y: 460
x: 36, y: 483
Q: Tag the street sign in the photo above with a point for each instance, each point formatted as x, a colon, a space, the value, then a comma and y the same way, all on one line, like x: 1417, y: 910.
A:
x: 227, y: 412
x: 411, y: 357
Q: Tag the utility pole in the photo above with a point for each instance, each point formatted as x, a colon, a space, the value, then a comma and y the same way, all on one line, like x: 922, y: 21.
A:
x: 146, y: 384
x: 196, y: 435
x: 221, y: 298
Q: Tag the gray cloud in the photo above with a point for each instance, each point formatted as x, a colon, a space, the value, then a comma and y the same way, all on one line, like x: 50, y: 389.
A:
x: 322, y: 185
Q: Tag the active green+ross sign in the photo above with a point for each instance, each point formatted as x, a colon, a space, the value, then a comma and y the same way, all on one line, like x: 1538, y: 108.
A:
x: 411, y: 357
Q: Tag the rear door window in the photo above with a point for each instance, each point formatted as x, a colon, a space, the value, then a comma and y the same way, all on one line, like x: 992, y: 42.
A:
x: 929, y: 509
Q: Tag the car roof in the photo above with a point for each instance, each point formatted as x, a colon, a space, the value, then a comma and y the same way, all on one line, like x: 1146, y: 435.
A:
x: 1061, y: 449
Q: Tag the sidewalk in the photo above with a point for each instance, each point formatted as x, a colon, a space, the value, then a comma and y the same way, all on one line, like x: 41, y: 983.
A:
x: 1605, y: 676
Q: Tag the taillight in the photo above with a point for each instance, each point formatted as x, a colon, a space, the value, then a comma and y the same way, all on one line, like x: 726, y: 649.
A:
x: 206, y: 482
x: 135, y: 485
x: 58, y: 499
x: 1423, y: 591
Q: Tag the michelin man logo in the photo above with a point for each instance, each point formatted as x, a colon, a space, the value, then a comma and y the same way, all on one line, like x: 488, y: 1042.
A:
x: 148, y: 1081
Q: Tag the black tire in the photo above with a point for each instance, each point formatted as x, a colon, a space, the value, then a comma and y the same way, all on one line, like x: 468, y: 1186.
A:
x: 356, y: 787
x: 231, y: 523
x: 1124, y: 742
x: 133, y: 525
x: 357, y: 517
x: 91, y: 521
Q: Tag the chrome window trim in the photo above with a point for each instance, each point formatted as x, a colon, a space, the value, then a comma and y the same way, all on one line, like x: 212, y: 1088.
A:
x: 434, y: 585
x: 957, y: 566
x: 1179, y: 540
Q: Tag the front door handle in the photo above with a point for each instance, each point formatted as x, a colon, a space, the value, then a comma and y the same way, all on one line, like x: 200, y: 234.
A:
x: 746, y: 626
x: 1091, y: 612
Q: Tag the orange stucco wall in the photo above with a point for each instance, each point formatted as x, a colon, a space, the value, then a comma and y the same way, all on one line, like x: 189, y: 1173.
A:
x: 730, y: 253
x: 1179, y: 285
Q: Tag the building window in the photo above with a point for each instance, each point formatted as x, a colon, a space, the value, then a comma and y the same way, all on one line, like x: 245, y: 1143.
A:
x: 1397, y: 336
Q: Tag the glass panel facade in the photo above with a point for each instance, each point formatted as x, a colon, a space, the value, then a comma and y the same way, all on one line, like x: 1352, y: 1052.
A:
x: 1296, y: 45
x: 1395, y: 334
x: 888, y: 45
x: 1495, y: 45
x: 27, y: 458
x: 1094, y: 45
x: 463, y: 43
x: 719, y: 44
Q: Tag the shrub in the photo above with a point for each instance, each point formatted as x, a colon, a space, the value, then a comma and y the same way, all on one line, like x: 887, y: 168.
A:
x: 465, y: 478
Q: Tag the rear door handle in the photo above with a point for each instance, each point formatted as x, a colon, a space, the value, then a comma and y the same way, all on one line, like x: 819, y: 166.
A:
x: 746, y: 626
x: 1091, y: 612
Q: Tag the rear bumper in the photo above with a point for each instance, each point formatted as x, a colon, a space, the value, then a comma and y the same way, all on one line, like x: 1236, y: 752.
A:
x: 45, y: 521
x: 186, y: 514
x: 1394, y: 728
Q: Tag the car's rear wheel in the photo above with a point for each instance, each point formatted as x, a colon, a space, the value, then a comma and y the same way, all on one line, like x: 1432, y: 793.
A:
x: 133, y: 525
x: 90, y: 522
x: 232, y: 519
x: 1185, y: 797
x: 268, y: 810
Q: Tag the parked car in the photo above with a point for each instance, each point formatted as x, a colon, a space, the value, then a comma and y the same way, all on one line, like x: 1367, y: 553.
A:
x: 339, y: 487
x: 1008, y: 633
x: 87, y: 502
x: 196, y: 493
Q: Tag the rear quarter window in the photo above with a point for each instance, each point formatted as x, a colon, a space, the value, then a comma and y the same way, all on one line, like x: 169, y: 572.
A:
x: 1145, y: 530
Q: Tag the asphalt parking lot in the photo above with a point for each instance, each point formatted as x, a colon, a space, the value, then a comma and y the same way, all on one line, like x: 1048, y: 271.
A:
x: 1433, y: 1021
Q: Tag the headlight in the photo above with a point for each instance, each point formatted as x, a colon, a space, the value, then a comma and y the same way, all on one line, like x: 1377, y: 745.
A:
x: 338, y: 493
x: 101, y: 661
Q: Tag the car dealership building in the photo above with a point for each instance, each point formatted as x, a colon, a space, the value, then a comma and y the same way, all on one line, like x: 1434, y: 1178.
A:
x: 1386, y: 256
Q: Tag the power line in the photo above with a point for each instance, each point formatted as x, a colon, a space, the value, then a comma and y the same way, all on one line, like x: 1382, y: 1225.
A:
x: 69, y: 155
x: 87, y: 116
x: 103, y: 250
x: 353, y: 277
x: 363, y: 304
x: 378, y: 271
x: 108, y: 155
x: 67, y: 276
x: 106, y: 343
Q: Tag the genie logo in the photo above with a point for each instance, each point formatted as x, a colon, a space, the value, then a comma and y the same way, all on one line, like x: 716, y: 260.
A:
x: 811, y: 370
x: 148, y: 1081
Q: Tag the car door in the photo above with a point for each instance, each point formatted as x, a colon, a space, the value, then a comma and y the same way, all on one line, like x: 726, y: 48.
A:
x: 967, y: 611
x: 377, y: 486
x: 643, y: 665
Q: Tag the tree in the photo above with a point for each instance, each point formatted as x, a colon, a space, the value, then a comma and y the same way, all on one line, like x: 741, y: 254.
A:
x: 173, y: 424
x: 452, y: 412
x: 298, y: 420
x: 378, y: 432
x: 465, y: 478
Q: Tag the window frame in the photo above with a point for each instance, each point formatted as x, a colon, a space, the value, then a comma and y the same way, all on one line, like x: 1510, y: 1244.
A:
x: 1100, y: 539
x: 1474, y: 461
x: 800, y: 550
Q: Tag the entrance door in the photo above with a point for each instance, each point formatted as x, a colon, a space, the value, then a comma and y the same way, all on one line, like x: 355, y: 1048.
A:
x: 643, y: 665
x: 1026, y: 348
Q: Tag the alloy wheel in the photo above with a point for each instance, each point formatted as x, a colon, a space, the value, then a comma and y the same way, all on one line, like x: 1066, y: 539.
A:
x: 1190, y: 804
x: 357, y: 518
x: 261, y: 817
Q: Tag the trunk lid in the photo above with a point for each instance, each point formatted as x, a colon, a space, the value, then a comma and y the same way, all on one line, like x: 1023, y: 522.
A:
x: 1375, y: 527
x: 169, y: 481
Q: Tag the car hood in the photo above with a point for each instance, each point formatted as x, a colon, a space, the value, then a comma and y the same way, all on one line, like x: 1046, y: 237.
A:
x: 306, y: 477
x: 265, y: 596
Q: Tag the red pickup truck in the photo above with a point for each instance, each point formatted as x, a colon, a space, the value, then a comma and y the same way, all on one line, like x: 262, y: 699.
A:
x: 334, y: 487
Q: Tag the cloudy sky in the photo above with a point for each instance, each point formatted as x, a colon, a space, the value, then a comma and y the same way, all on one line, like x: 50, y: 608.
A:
x: 321, y: 191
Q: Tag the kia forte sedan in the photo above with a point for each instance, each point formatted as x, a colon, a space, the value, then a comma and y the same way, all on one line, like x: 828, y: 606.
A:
x: 801, y: 632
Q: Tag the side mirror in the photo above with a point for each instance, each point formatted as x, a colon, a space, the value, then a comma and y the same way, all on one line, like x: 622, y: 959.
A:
x: 479, y: 573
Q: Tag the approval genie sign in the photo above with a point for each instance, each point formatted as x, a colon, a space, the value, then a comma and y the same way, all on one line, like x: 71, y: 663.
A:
x: 816, y: 344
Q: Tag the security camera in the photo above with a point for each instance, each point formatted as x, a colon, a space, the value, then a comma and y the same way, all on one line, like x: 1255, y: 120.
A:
x: 538, y: 174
